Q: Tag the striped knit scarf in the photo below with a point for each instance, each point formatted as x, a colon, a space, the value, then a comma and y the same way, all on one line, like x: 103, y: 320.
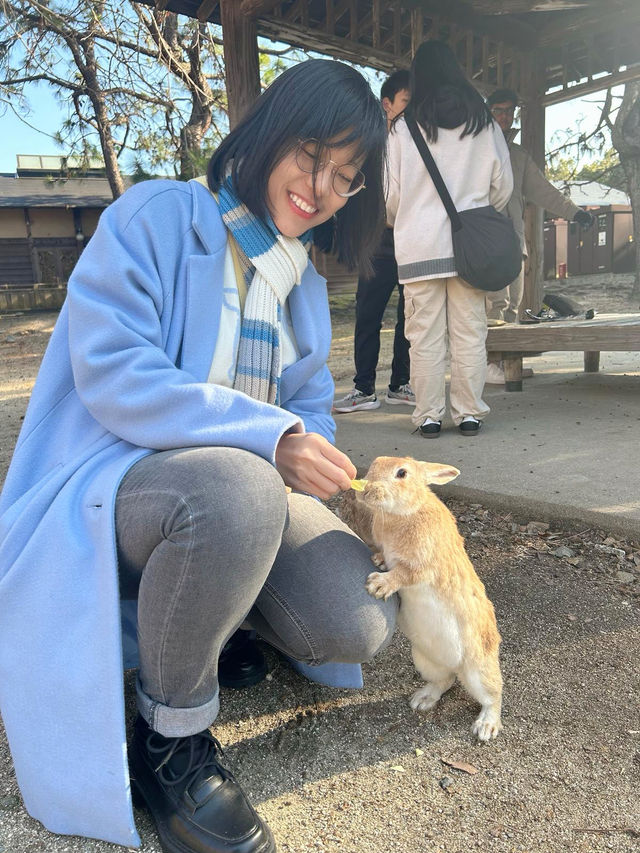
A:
x: 271, y: 264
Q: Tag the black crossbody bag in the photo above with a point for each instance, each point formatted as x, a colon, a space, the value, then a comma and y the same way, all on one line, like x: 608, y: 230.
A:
x: 486, y: 248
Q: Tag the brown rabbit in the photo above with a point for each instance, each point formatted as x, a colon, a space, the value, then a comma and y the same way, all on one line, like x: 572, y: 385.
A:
x: 444, y: 609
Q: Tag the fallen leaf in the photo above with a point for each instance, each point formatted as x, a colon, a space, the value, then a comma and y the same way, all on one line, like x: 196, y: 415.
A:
x: 419, y: 751
x: 460, y: 765
x: 399, y: 768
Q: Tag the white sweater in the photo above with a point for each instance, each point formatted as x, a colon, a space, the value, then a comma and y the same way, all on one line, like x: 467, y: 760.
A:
x: 476, y: 171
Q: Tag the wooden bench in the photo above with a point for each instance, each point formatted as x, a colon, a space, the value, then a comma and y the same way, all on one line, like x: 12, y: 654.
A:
x: 605, y: 333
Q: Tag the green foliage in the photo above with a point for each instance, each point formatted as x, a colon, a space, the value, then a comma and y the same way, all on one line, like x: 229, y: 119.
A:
x: 605, y: 170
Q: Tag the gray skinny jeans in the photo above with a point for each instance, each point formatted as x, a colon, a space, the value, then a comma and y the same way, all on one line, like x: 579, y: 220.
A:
x: 208, y: 538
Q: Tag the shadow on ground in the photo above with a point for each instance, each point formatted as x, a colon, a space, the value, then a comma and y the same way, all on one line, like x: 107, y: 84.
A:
x: 336, y: 770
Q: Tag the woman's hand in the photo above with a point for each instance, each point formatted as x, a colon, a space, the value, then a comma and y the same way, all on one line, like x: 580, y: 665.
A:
x: 309, y: 463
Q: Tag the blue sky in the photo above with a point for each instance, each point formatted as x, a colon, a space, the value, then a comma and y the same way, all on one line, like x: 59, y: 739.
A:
x: 19, y: 138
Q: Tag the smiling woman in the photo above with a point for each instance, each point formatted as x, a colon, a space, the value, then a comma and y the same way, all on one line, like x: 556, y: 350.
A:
x: 176, y: 439
x: 324, y: 111
x: 308, y: 186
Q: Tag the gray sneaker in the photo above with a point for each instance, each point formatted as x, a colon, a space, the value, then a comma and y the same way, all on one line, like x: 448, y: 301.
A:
x: 356, y: 401
x: 403, y: 396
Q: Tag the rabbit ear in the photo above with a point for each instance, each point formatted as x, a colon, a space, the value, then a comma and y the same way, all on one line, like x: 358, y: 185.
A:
x: 439, y: 473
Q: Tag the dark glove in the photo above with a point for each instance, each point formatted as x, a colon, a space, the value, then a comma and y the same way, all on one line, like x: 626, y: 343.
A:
x: 584, y: 219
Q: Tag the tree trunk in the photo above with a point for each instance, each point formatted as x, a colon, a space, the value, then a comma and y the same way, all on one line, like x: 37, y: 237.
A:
x: 626, y: 140
x: 202, y: 100
x: 103, y: 125
x: 84, y: 56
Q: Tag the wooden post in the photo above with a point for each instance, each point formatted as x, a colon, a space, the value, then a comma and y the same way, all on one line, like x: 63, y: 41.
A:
x: 33, y: 252
x: 242, y: 70
x: 532, y: 139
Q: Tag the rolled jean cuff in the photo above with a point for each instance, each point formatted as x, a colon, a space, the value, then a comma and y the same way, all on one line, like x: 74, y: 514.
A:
x: 176, y: 722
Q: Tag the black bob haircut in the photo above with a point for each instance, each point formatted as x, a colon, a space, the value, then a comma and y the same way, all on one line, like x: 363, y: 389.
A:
x: 438, y: 79
x: 318, y: 99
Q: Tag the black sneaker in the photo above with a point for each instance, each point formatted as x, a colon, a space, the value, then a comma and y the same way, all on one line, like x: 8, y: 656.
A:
x: 470, y: 426
x: 430, y: 429
x: 196, y: 804
x: 241, y: 663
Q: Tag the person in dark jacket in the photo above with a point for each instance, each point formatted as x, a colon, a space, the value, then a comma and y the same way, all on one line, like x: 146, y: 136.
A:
x: 372, y: 296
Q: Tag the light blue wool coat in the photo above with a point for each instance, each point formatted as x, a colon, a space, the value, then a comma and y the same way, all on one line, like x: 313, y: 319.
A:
x: 125, y: 373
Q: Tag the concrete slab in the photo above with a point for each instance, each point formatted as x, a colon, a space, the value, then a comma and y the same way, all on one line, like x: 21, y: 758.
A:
x: 567, y: 447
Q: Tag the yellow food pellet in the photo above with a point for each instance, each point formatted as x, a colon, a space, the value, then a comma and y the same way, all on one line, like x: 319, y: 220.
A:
x: 358, y: 485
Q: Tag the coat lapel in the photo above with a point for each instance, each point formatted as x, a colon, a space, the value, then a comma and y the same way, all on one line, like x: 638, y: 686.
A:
x: 310, y: 319
x: 205, y: 274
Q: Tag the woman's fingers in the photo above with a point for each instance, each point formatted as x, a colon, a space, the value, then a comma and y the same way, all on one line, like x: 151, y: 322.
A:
x: 308, y: 462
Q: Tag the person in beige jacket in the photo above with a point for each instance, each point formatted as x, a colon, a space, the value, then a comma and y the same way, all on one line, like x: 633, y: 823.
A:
x: 529, y: 185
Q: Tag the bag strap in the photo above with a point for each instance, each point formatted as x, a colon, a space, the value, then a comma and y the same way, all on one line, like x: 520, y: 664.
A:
x: 433, y: 170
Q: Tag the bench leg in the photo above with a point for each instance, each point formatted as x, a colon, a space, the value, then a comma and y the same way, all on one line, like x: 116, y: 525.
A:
x: 512, y: 373
x: 591, y: 362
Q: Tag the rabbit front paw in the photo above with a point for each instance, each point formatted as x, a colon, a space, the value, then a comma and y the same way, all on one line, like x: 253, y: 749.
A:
x: 379, y: 585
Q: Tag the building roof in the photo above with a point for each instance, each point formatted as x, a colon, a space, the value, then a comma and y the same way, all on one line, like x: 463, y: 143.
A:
x: 54, y: 192
x: 571, y: 40
x: 591, y: 193
x: 55, y: 163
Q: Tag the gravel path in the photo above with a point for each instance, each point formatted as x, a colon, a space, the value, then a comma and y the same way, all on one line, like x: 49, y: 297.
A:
x: 358, y: 771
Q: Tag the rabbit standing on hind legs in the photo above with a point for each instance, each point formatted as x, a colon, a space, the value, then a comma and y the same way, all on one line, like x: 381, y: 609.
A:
x: 444, y: 609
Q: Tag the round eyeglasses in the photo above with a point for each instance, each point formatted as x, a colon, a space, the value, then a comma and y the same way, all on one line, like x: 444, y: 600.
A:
x: 347, y: 180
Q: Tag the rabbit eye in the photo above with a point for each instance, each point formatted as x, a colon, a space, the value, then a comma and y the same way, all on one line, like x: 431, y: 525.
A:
x: 401, y: 473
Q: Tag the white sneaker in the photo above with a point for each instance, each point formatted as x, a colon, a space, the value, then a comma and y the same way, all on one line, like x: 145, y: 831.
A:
x: 403, y: 396
x: 495, y: 375
x: 356, y: 401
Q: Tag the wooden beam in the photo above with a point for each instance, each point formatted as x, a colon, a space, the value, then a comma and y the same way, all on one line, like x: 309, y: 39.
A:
x: 597, y: 84
x: 514, y: 32
x: 256, y: 8
x: 205, y: 9
x: 353, y: 20
x: 566, y: 27
x: 340, y: 48
x: 296, y: 11
x: 375, y: 11
x: 241, y: 62
x: 533, y: 139
x: 330, y: 17
x: 485, y: 59
x: 417, y: 29
x: 469, y: 54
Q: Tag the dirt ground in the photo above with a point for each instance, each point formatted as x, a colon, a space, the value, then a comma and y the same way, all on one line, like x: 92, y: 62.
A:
x: 358, y: 771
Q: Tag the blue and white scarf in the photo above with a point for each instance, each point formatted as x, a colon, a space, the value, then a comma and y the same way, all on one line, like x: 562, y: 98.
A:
x: 271, y: 265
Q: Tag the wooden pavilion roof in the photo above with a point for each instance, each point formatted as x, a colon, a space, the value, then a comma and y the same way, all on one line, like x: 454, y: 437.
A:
x: 576, y: 46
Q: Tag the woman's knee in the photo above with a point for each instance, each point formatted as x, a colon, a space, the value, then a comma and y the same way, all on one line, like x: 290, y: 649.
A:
x: 360, y: 639
x: 228, y: 487
x: 204, y: 498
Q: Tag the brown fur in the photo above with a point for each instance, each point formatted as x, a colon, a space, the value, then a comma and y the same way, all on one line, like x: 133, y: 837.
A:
x: 413, y: 533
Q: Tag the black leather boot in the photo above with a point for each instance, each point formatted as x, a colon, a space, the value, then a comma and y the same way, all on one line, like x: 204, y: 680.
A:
x: 197, y: 805
x: 241, y: 662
